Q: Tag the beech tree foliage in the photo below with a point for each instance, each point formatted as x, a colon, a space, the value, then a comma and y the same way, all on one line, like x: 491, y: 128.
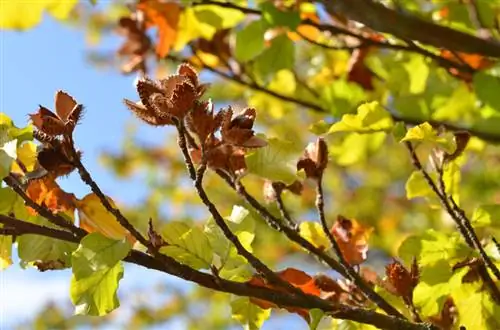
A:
x: 339, y: 163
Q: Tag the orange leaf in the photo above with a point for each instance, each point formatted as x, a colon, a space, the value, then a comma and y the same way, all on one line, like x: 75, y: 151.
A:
x: 475, y: 61
x: 165, y: 16
x: 293, y: 276
x: 46, y: 191
x: 352, y: 239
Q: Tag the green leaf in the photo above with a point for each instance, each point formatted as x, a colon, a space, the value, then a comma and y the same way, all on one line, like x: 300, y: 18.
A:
x: 356, y: 148
x: 97, y: 271
x: 424, y: 133
x: 41, y: 248
x: 276, y: 17
x: 476, y: 308
x: 280, y: 55
x: 399, y: 130
x: 7, y: 200
x: 274, y: 161
x: 486, y: 216
x: 417, y: 186
x: 231, y: 265
x: 436, y: 283
x: 249, y: 315
x: 188, y: 245
x: 370, y: 118
x: 486, y: 88
x: 250, y: 41
x: 342, y: 97
x: 418, y: 72
x: 315, y: 315
x: 433, y: 247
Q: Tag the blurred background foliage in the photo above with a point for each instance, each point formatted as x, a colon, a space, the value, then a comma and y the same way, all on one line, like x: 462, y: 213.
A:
x: 318, y: 77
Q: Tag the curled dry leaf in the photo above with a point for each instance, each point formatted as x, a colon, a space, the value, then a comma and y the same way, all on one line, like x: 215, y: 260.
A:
x: 202, y: 120
x: 400, y: 281
x: 238, y: 131
x: 67, y: 115
x: 46, y: 192
x: 352, y: 239
x: 136, y: 44
x: 315, y: 159
x: 293, y: 276
x: 228, y: 158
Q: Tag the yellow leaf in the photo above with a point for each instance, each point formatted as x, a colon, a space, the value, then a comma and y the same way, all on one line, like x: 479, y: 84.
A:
x: 95, y: 218
x: 26, y: 154
x: 5, y: 252
x: 313, y: 232
x: 23, y: 15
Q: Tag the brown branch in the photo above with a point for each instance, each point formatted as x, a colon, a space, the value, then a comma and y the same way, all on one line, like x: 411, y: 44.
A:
x: 172, y: 267
x: 87, y: 179
x: 408, y: 27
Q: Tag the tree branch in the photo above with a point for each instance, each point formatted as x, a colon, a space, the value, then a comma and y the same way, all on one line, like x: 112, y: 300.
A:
x: 87, y: 179
x: 408, y: 27
x: 55, y: 219
x: 172, y: 267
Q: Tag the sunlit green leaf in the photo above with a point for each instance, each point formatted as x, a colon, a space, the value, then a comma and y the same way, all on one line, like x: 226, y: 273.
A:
x: 436, y: 283
x: 97, y: 270
x: 356, y: 148
x: 476, y: 308
x: 418, y: 71
x: 249, y: 315
x: 424, y: 133
x: 370, y: 118
x: 188, y: 245
x: 486, y: 216
x: 341, y: 97
x: 432, y: 247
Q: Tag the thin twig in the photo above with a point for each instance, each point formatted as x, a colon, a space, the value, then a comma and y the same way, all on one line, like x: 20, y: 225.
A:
x: 53, y: 218
x: 463, y: 224
x: 282, y: 208
x: 348, y: 269
x: 87, y: 179
x: 297, y: 238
